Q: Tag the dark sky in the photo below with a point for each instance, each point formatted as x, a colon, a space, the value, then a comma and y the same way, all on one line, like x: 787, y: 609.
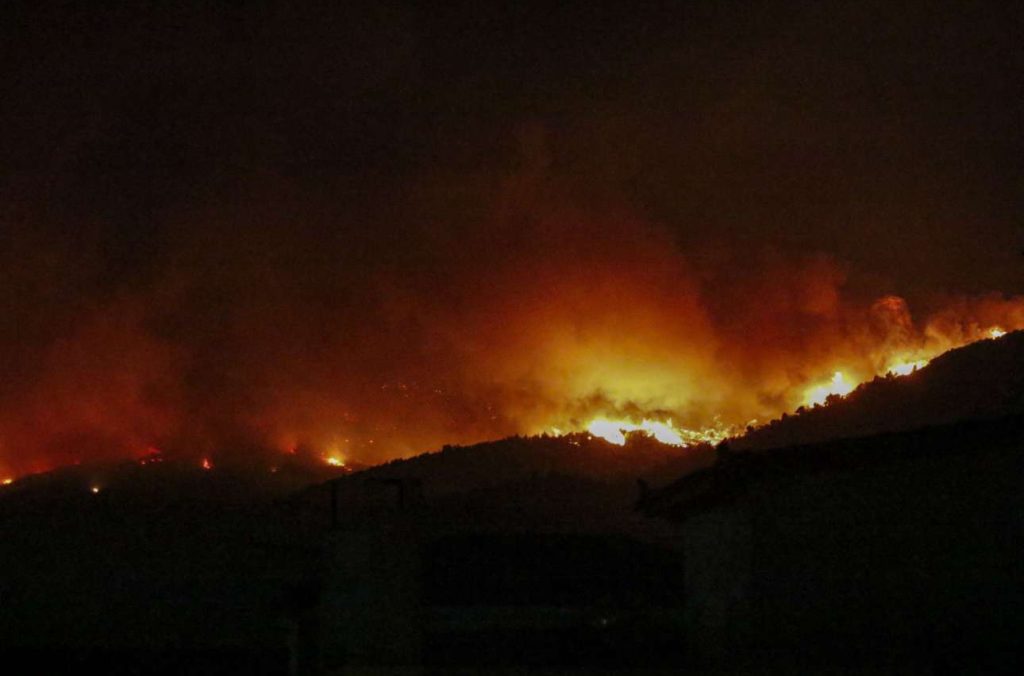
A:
x: 227, y: 174
x: 888, y: 134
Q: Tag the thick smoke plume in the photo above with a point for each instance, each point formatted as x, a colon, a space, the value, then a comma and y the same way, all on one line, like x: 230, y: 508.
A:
x: 273, y: 319
x: 366, y: 229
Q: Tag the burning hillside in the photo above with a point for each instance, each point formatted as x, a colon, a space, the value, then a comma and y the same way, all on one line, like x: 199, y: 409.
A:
x: 546, y: 320
x: 980, y: 381
x: 836, y: 388
x: 373, y: 230
x: 247, y: 247
x: 565, y: 325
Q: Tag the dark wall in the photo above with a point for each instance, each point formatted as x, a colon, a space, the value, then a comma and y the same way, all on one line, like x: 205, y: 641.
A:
x: 907, y: 561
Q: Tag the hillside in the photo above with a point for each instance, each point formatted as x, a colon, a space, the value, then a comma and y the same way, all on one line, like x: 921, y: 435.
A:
x: 540, y: 483
x: 464, y: 468
x: 982, y: 380
x: 580, y: 480
x: 171, y: 562
x: 234, y: 545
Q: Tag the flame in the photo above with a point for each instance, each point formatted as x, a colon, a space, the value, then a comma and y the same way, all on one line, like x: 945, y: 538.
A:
x: 840, y: 385
x: 7, y: 481
x: 905, y: 368
x: 95, y: 490
x: 819, y: 394
x: 647, y: 356
x: 615, y: 431
x: 628, y: 384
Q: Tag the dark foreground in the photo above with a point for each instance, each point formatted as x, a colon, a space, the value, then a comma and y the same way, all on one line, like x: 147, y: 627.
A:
x: 892, y: 553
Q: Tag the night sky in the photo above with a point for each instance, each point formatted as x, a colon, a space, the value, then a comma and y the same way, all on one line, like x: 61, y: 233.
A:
x: 263, y: 224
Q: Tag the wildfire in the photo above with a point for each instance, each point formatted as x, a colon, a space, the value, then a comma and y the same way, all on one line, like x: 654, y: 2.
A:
x: 641, y: 387
x: 905, y: 368
x: 7, y: 481
x: 838, y: 385
x: 661, y: 380
x: 615, y: 431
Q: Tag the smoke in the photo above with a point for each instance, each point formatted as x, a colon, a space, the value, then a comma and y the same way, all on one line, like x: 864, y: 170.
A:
x: 237, y: 231
x: 273, y: 317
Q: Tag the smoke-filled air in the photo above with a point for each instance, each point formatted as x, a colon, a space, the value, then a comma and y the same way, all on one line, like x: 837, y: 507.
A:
x: 271, y: 322
x: 366, y: 232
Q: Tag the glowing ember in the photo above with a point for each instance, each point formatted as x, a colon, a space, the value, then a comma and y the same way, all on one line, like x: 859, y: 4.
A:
x: 996, y: 332
x: 153, y: 455
x: 207, y: 464
x: 839, y: 386
x: 95, y: 489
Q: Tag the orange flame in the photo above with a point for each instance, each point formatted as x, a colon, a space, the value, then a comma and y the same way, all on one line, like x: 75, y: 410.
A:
x: 905, y: 368
x: 842, y: 383
x: 616, y: 431
x: 819, y: 394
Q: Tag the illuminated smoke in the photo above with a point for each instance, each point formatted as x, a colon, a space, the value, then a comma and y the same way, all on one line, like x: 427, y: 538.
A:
x: 280, y: 327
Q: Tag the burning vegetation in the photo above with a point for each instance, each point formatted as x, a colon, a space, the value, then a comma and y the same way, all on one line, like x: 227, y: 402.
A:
x: 837, y: 387
x: 273, y: 322
x: 628, y: 340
